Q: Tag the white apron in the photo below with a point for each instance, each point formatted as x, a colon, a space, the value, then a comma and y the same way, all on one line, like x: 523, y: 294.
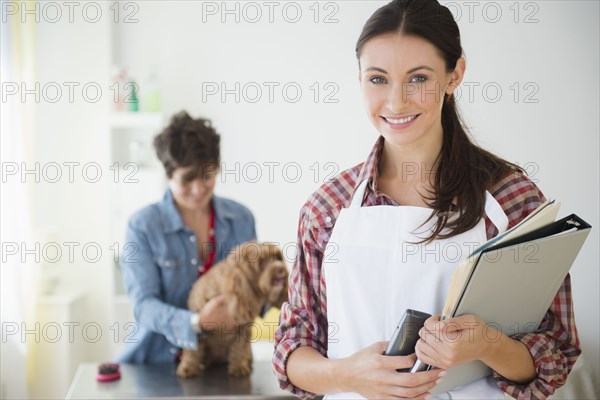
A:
x: 373, y: 273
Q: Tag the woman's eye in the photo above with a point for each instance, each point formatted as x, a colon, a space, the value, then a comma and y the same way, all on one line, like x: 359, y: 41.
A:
x: 377, y: 80
x: 418, y: 79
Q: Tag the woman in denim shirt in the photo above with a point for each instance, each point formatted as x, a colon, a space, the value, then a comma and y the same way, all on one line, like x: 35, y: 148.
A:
x: 172, y: 242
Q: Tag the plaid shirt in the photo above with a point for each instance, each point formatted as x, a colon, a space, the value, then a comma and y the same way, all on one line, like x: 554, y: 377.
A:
x: 303, y: 322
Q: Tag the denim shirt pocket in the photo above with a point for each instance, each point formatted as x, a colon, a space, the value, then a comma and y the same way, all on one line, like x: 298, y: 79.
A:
x: 167, y: 262
x: 174, y: 278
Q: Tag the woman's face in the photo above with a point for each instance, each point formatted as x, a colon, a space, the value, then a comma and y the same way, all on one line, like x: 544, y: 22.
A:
x: 192, y: 190
x: 403, y: 81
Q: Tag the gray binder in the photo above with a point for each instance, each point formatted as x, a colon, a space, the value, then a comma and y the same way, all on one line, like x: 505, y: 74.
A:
x: 514, y: 283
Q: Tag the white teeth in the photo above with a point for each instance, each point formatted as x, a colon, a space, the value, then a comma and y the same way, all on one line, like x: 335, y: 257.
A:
x: 400, y: 120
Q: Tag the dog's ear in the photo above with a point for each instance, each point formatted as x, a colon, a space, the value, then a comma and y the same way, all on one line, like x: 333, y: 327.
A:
x: 251, y: 253
x: 235, y: 291
x: 239, y: 294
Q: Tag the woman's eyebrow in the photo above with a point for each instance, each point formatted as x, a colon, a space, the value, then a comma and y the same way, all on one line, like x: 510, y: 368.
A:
x: 376, y: 69
x: 408, y: 72
x: 420, y: 67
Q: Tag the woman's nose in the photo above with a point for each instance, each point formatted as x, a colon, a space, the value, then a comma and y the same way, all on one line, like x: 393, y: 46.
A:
x: 398, y: 96
x: 197, y: 186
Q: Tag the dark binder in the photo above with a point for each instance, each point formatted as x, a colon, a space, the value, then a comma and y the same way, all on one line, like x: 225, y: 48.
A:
x: 513, y: 284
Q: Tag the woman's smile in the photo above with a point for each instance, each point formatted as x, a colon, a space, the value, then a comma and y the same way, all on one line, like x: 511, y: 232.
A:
x: 400, y: 123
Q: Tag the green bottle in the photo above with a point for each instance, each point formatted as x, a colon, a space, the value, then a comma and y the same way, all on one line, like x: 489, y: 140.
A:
x: 134, y: 103
x: 150, y: 96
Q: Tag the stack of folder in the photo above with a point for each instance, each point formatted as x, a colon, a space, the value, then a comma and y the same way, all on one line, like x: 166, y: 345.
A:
x: 511, y: 280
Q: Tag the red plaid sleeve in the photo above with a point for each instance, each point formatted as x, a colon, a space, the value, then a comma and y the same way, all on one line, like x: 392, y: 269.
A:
x: 303, y: 319
x: 555, y: 345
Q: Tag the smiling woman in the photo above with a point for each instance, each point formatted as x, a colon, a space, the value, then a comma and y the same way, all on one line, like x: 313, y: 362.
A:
x: 353, y: 276
x: 409, y: 73
x: 404, y: 83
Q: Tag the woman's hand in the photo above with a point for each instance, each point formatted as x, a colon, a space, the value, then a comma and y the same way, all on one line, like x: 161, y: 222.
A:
x: 454, y: 341
x: 374, y: 376
x: 215, y: 314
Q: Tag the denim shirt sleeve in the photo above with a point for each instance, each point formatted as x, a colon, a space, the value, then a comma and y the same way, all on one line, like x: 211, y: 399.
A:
x: 142, y: 280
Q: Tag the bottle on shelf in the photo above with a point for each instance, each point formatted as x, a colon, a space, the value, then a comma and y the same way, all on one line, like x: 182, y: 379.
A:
x: 119, y: 76
x: 150, y: 99
x: 133, y: 101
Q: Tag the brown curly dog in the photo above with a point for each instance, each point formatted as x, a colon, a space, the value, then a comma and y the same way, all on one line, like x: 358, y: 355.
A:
x: 253, y: 275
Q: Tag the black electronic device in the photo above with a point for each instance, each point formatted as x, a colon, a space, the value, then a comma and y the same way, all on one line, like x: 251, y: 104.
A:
x: 406, y: 334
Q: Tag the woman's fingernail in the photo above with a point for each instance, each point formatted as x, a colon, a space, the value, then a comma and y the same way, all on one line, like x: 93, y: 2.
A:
x: 443, y: 373
x: 438, y: 381
x: 427, y: 396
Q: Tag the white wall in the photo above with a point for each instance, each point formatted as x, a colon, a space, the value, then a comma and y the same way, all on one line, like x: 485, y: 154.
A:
x: 551, y: 52
x: 67, y: 207
x: 72, y: 128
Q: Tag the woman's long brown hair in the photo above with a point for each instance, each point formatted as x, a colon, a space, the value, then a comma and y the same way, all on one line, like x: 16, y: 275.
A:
x: 463, y: 170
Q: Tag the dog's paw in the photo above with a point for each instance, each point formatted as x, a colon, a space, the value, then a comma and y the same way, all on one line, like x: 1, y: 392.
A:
x: 189, y: 370
x: 239, y: 370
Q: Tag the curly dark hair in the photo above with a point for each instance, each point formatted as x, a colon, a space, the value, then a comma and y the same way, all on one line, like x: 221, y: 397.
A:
x: 188, y: 142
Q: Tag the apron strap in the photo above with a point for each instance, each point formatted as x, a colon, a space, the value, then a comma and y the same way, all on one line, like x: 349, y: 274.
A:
x: 495, y: 213
x: 359, y: 194
x: 492, y: 208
